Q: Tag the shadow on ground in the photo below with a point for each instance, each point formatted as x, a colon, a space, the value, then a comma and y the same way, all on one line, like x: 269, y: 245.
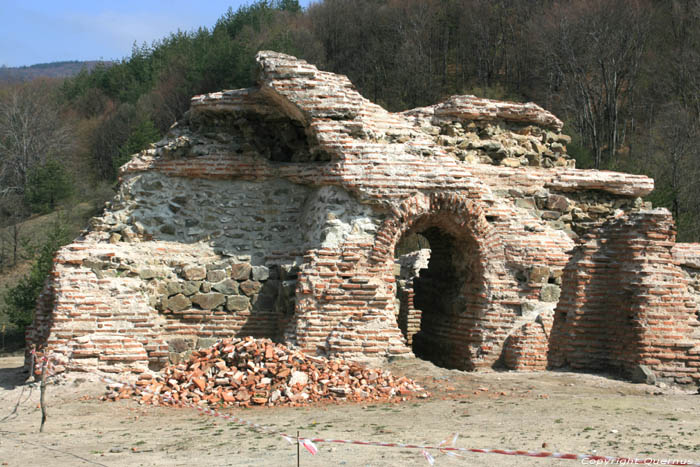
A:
x: 10, y: 378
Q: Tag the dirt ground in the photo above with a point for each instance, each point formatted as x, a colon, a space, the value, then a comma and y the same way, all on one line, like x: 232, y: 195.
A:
x: 564, y: 412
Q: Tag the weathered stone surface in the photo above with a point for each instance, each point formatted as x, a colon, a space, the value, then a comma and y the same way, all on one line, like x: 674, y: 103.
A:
x: 237, y: 303
x: 550, y: 293
x: 250, y: 287
x: 208, y: 301
x: 177, y: 303
x: 643, y: 374
x: 191, y: 287
x: 539, y: 274
x: 194, y: 273
x: 241, y: 271
x: 173, y: 287
x: 226, y: 287
x: 205, y: 342
x: 149, y: 273
x: 216, y: 275
x: 260, y: 273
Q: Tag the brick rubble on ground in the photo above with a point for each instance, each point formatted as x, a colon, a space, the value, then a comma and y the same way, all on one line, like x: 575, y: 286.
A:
x: 247, y: 372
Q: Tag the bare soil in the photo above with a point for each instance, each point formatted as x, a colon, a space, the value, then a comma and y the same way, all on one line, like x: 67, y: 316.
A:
x: 552, y: 411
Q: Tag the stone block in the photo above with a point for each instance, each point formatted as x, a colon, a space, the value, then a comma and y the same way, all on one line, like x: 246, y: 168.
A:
x: 191, y: 287
x: 194, y: 273
x: 529, y: 309
x: 216, y: 275
x: 208, y: 301
x: 205, y: 342
x: 643, y: 374
x: 237, y: 303
x: 525, y: 203
x: 180, y: 344
x: 551, y: 215
x: 176, y: 303
x: 173, y: 287
x: 250, y: 287
x: 260, y: 273
x: 241, y: 271
x: 226, y: 287
x: 539, y: 274
x: 149, y: 273
x: 558, y: 203
x: 550, y: 293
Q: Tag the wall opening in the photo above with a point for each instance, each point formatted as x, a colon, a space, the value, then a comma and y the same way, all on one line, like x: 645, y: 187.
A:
x: 438, y: 275
x: 273, y: 136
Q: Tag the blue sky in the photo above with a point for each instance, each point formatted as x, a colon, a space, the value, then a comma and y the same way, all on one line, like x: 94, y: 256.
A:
x: 40, y: 31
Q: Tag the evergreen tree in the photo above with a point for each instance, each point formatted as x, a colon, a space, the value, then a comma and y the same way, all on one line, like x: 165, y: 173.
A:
x: 47, y: 184
x: 20, y: 300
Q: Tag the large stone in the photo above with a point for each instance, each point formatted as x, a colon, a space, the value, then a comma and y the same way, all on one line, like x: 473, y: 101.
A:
x: 216, y: 275
x: 241, y: 271
x: 237, y: 303
x: 557, y: 203
x: 191, y: 287
x: 208, y: 301
x: 643, y: 374
x: 173, y: 287
x: 250, y: 287
x: 539, y: 274
x: 150, y: 273
x: 260, y: 273
x: 180, y: 344
x: 511, y: 162
x: 525, y: 203
x: 177, y: 303
x: 226, y: 287
x: 550, y: 293
x: 194, y: 273
x: 205, y: 342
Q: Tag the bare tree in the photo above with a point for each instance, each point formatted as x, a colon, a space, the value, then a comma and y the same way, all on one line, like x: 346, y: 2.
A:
x: 31, y: 130
x: 595, y: 47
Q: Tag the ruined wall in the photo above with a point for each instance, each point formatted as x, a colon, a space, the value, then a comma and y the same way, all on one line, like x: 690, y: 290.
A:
x: 276, y: 211
x: 408, y: 316
x: 626, y: 302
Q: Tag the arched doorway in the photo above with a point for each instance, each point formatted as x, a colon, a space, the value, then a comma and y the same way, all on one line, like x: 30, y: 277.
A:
x: 443, y: 305
x: 439, y: 300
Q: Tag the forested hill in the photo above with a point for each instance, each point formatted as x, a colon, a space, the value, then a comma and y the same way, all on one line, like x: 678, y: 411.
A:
x: 624, y: 75
x: 45, y: 70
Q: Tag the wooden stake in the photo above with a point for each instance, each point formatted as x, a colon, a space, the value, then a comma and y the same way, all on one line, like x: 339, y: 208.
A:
x: 32, y: 368
x: 298, y: 459
x: 42, y: 401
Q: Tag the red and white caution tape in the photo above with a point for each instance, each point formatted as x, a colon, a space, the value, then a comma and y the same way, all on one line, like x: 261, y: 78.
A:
x: 445, y: 447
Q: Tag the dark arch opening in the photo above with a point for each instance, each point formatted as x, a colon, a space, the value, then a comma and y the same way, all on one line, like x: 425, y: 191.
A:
x: 273, y: 136
x: 437, y: 292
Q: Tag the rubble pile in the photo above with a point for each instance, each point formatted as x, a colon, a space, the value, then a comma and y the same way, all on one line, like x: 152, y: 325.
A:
x: 254, y: 372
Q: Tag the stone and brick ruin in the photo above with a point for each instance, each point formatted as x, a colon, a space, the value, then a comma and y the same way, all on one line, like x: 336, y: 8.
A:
x: 276, y: 211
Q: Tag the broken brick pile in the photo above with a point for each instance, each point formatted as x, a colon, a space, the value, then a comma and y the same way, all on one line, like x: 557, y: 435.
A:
x: 248, y: 372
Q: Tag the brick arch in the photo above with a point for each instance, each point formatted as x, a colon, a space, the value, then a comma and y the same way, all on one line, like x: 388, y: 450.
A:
x: 461, y: 215
x: 465, y: 245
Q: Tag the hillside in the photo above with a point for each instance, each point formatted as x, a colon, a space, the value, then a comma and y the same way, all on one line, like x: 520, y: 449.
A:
x: 66, y: 69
